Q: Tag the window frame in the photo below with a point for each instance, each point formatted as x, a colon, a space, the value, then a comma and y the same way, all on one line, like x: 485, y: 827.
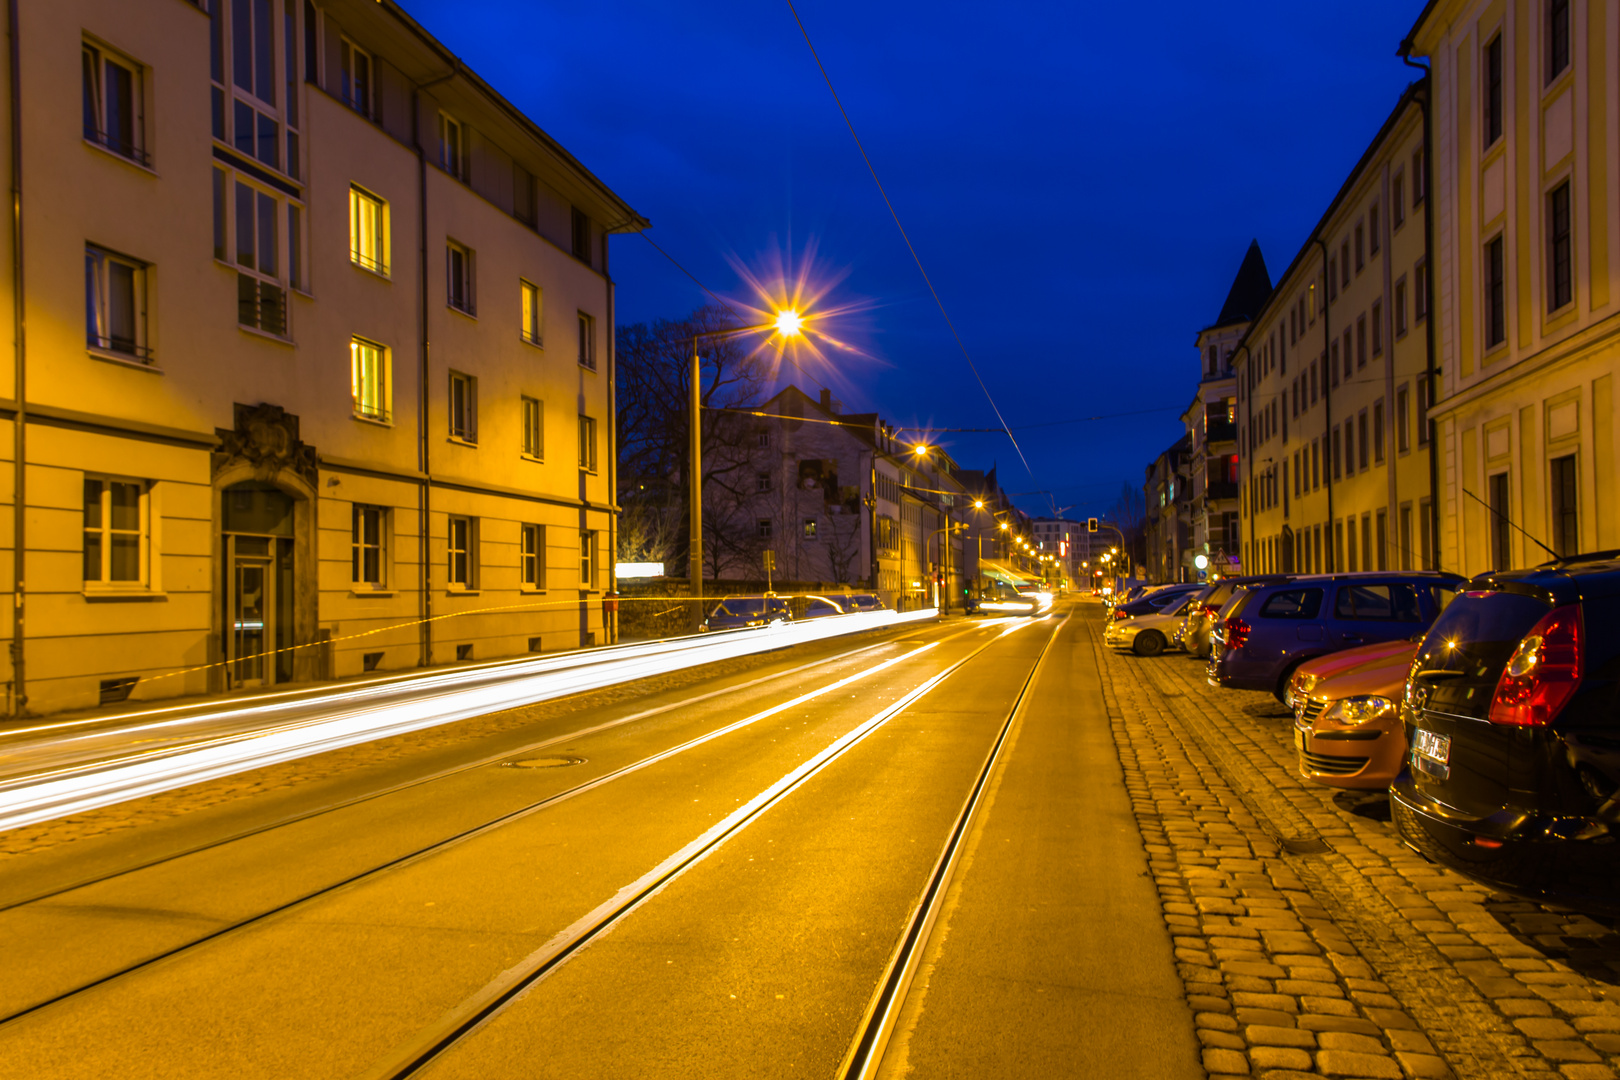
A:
x: 1493, y: 122
x: 1565, y: 517
x: 99, y: 263
x: 587, y: 340
x: 364, y: 102
x: 453, y: 147
x: 95, y: 58
x: 1493, y: 279
x: 588, y: 561
x: 531, y: 313
x: 461, y: 409
x: 468, y: 552
x: 531, y: 557
x: 358, y: 547
x: 380, y: 237
x: 1403, y: 412
x: 467, y: 279
x: 532, y: 422
x: 288, y: 275
x: 382, y: 412
x: 587, y: 444
x: 271, y: 95
x: 1560, y: 253
x: 105, y: 533
x: 1559, y: 54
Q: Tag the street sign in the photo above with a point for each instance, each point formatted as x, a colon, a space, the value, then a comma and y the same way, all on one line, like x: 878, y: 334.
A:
x: 770, y: 560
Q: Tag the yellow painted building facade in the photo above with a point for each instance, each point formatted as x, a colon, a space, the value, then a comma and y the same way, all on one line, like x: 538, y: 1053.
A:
x: 1526, y: 107
x: 311, y: 342
x: 1333, y: 453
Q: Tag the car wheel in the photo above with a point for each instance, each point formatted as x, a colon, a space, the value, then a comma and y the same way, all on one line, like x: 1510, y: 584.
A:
x: 1280, y: 692
x: 1148, y: 643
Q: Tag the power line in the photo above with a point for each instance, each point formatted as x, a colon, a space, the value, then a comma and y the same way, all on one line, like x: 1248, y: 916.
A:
x: 960, y: 344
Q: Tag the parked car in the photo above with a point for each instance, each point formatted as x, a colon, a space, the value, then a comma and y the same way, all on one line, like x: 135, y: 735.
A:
x: 1156, y: 600
x: 737, y: 612
x: 1347, y: 726
x: 865, y: 602
x: 1268, y: 630
x: 1512, y: 710
x: 1309, y: 674
x: 1199, y: 623
x: 818, y: 606
x: 1148, y: 634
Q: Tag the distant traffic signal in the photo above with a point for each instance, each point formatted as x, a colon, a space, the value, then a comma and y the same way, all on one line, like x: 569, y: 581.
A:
x: 1091, y: 524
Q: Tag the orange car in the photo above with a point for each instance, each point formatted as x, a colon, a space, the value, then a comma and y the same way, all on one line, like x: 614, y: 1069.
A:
x: 1347, y: 726
x: 1308, y: 674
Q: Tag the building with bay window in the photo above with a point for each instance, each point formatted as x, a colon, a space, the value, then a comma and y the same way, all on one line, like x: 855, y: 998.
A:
x: 312, y: 361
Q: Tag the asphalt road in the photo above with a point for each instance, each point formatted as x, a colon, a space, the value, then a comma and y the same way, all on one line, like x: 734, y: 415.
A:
x: 321, y: 930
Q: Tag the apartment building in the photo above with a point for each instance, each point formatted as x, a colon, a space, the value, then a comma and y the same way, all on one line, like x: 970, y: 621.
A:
x: 1167, y: 521
x: 1526, y: 103
x: 1331, y: 386
x: 313, y: 355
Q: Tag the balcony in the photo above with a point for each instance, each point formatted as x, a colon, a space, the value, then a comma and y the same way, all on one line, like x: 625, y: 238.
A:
x: 1220, y: 489
x: 1220, y: 431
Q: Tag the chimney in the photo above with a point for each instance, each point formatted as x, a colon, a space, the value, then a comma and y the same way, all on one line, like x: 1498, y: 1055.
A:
x: 827, y: 402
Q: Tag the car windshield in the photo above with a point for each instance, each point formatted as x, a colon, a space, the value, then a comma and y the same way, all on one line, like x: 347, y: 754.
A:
x: 1463, y: 654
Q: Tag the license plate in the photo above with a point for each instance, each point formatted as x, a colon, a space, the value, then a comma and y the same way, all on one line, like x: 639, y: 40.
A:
x: 1432, y: 745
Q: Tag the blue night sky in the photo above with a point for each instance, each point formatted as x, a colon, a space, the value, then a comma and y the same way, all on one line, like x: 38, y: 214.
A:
x: 1081, y: 186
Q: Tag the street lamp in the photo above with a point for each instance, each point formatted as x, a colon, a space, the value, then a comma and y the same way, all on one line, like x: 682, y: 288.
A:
x: 789, y: 323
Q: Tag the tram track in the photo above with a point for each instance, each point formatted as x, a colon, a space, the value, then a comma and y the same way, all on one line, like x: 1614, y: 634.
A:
x: 428, y: 850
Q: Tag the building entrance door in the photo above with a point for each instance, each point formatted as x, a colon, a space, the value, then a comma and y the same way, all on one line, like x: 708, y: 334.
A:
x: 258, y: 585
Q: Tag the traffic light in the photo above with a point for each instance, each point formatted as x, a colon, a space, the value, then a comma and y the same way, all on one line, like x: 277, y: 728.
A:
x: 1091, y: 524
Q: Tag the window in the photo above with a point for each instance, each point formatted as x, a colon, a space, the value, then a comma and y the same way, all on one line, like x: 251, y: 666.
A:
x: 115, y: 304
x: 368, y: 231
x: 1501, y: 538
x: 452, y: 146
x: 1338, y: 460
x: 531, y: 556
x: 533, y: 429
x: 1425, y: 534
x: 587, y: 443
x: 1333, y: 280
x: 369, y: 380
x: 461, y: 564
x: 1417, y: 178
x: 587, y: 341
x: 463, y: 407
x: 530, y: 311
x: 1493, y: 90
x: 1420, y: 291
x: 1495, y: 294
x: 1560, y: 283
x: 114, y: 109
x: 1361, y: 440
x: 1349, y: 448
x: 1361, y: 246
x: 762, y: 481
x: 115, y: 532
x: 367, y: 546
x: 1398, y: 603
x: 1372, y: 229
x: 587, y: 559
x: 764, y: 439
x: 1405, y: 538
x: 459, y: 278
x: 255, y: 118
x: 523, y: 204
x: 355, y: 65
x: 1378, y: 328
x: 1397, y: 199
x: 1292, y: 604
x: 762, y: 528
x: 1557, y: 38
x: 1423, y: 391
x: 1403, y: 437
x: 1344, y: 263
x: 581, y: 234
x: 1400, y: 307
x: 1348, y: 355
x: 810, y: 528
x: 1313, y: 384
x: 1566, y: 535
x: 261, y: 298
x: 1361, y: 341
x: 1378, y: 431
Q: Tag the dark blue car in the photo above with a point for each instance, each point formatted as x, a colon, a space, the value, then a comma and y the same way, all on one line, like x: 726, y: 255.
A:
x: 1267, y: 630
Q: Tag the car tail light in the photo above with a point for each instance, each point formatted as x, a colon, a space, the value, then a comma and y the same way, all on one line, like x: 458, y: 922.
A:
x: 1210, y: 610
x: 1543, y: 672
x: 1236, y: 632
x: 1119, y: 613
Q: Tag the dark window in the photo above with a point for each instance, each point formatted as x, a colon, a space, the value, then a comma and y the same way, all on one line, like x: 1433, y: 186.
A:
x: 763, y: 527
x: 1417, y: 178
x: 1565, y: 502
x: 1495, y: 294
x: 581, y: 236
x: 1557, y: 38
x: 1292, y: 604
x: 1560, y: 283
x: 1398, y: 603
x: 1397, y: 198
x: 1493, y: 90
x: 1361, y: 341
x: 1361, y: 247
x: 1361, y: 440
x: 1420, y: 291
x: 1400, y: 307
x: 1501, y: 538
x: 1423, y: 390
x: 1372, y: 229
x: 1378, y: 429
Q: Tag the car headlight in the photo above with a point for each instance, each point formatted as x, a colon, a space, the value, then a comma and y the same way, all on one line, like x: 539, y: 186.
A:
x: 1359, y: 709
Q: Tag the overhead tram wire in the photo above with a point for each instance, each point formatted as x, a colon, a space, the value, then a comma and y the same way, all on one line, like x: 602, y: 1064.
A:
x: 960, y: 344
x: 932, y: 430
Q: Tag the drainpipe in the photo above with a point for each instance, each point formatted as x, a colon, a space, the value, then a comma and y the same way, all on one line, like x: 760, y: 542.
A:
x: 19, y: 499
x: 1430, y: 311
x: 424, y: 490
x: 1327, y: 405
x: 610, y: 632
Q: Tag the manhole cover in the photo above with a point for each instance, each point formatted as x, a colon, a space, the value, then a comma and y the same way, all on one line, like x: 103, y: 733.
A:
x: 543, y: 762
x: 1305, y: 845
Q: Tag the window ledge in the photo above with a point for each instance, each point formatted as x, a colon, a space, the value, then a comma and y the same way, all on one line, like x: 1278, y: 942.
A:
x: 453, y: 591
x: 588, y: 367
x: 458, y: 441
x: 533, y: 458
x: 375, y: 421
x: 473, y: 315
x: 371, y: 592
x: 372, y: 271
x: 116, y: 156
x: 123, y: 360
x: 538, y: 343
x: 256, y: 332
x: 527, y: 591
x: 93, y: 593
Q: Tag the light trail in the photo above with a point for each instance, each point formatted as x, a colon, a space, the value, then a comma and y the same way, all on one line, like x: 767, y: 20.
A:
x: 277, y: 731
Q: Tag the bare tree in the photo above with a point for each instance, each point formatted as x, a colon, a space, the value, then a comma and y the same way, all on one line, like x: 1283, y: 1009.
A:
x: 1130, y: 515
x: 842, y: 541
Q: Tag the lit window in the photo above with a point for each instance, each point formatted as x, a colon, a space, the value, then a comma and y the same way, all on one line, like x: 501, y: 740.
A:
x: 533, y: 429
x: 531, y: 311
x: 114, y: 111
x: 115, y: 304
x: 463, y: 407
x: 367, y: 546
x: 369, y: 379
x: 116, y: 531
x: 368, y: 231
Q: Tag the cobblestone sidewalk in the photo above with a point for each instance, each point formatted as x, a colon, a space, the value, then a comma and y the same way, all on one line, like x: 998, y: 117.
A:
x: 1310, y: 940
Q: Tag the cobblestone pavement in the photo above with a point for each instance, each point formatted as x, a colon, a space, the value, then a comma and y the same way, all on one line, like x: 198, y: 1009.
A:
x: 1310, y: 940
